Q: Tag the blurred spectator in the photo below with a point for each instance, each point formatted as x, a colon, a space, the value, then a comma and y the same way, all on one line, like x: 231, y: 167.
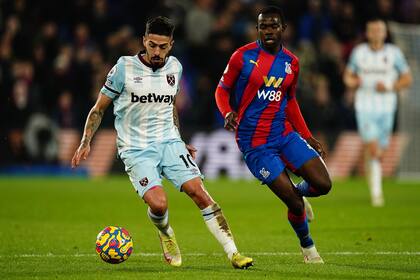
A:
x: 200, y: 22
x: 331, y: 64
x: 66, y: 114
x: 410, y: 11
x: 314, y: 22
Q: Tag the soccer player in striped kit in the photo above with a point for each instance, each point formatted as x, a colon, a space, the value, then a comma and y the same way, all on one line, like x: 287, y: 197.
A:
x: 377, y: 71
x: 262, y: 77
x: 143, y: 88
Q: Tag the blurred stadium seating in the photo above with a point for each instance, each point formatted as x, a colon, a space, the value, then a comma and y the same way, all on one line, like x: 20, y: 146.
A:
x: 54, y: 58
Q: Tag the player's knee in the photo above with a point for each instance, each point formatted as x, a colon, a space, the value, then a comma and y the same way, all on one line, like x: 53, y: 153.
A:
x: 158, y: 206
x: 325, y: 186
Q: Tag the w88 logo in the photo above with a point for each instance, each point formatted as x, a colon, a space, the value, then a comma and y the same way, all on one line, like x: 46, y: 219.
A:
x: 271, y: 95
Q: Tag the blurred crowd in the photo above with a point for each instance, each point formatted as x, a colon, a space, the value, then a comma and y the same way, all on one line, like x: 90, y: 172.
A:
x: 55, y: 55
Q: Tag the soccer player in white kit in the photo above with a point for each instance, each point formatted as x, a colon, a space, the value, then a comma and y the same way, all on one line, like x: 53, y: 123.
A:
x: 143, y: 89
x: 377, y: 71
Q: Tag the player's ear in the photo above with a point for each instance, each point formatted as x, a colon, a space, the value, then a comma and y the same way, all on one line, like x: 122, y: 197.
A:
x: 144, y: 41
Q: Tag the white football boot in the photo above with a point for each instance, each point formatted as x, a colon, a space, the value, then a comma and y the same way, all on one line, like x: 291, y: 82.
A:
x: 308, y: 209
x: 311, y: 255
x: 170, y: 249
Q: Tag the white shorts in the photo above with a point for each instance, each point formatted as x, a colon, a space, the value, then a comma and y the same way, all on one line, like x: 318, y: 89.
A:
x: 169, y: 159
x: 375, y: 126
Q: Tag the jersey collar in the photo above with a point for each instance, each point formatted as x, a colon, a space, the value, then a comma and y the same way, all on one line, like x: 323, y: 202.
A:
x: 141, y: 55
x: 260, y: 44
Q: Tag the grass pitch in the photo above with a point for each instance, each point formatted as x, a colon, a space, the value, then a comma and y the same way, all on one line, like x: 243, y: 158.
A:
x: 48, y: 228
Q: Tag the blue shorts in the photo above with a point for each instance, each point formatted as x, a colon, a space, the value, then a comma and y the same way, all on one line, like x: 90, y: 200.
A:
x: 267, y: 162
x: 169, y: 159
x: 375, y: 126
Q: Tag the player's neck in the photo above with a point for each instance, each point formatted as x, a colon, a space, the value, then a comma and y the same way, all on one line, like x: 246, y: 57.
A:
x: 271, y: 50
x: 376, y: 46
x: 146, y: 61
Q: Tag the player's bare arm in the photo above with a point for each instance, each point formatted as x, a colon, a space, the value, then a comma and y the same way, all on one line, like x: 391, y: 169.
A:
x: 351, y: 79
x: 317, y: 146
x: 92, y: 123
x: 231, y: 121
x: 191, y: 149
x: 405, y: 80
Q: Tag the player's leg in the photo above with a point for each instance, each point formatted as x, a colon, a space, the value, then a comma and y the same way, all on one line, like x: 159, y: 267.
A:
x: 265, y: 164
x: 316, y: 180
x: 373, y: 170
x: 141, y: 166
x: 302, y: 158
x: 372, y: 127
x: 374, y: 151
x: 215, y: 221
x: 284, y: 189
x: 158, y: 214
x: 179, y: 167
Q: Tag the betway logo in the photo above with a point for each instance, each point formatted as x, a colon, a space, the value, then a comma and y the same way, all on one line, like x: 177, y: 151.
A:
x: 271, y: 95
x: 152, y: 97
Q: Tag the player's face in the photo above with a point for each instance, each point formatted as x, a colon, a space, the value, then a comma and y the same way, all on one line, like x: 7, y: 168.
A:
x: 157, y: 48
x: 270, y: 29
x: 376, y: 31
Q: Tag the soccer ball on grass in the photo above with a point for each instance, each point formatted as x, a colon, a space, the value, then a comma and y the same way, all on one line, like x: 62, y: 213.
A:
x: 114, y: 244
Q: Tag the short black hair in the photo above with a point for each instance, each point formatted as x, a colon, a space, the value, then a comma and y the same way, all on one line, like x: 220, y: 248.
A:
x: 273, y: 10
x: 161, y: 26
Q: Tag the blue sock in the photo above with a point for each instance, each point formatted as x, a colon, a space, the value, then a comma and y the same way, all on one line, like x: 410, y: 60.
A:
x: 306, y: 190
x: 300, y: 225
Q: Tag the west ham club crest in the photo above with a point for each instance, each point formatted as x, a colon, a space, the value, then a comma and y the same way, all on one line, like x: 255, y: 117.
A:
x: 170, y: 78
x: 143, y: 182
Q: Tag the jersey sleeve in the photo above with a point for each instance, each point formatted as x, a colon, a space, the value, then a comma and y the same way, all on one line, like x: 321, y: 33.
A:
x: 227, y: 82
x: 179, y: 77
x: 400, y: 62
x: 114, y: 83
x: 293, y: 113
x: 352, y: 64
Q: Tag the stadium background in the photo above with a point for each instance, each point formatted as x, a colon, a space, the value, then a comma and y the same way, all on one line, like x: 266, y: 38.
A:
x: 54, y: 57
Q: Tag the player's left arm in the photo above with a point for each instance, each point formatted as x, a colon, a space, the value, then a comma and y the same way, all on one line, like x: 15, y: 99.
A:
x: 404, y: 81
x: 405, y: 78
x: 191, y: 149
x: 295, y: 117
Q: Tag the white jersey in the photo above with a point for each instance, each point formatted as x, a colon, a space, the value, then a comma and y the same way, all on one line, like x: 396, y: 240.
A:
x: 143, y: 101
x: 384, y: 65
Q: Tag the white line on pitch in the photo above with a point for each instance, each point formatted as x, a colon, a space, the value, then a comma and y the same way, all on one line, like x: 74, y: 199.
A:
x: 51, y: 255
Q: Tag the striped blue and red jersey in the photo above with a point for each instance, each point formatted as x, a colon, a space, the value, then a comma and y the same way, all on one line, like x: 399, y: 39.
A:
x: 264, y: 89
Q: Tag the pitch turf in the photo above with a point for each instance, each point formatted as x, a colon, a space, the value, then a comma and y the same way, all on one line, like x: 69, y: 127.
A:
x: 48, y: 228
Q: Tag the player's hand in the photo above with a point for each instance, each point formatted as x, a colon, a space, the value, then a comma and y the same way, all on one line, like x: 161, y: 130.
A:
x: 81, y: 153
x: 317, y: 146
x: 231, y: 121
x: 381, y: 87
x: 192, y: 150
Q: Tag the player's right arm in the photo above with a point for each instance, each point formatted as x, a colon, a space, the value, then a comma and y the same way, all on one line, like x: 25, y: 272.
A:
x: 350, y: 77
x: 92, y: 123
x: 222, y: 94
x: 111, y: 90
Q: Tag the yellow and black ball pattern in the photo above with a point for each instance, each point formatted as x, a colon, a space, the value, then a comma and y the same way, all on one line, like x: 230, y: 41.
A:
x: 114, y: 244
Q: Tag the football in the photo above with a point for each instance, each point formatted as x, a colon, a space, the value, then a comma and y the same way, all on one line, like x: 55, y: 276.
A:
x: 114, y: 244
